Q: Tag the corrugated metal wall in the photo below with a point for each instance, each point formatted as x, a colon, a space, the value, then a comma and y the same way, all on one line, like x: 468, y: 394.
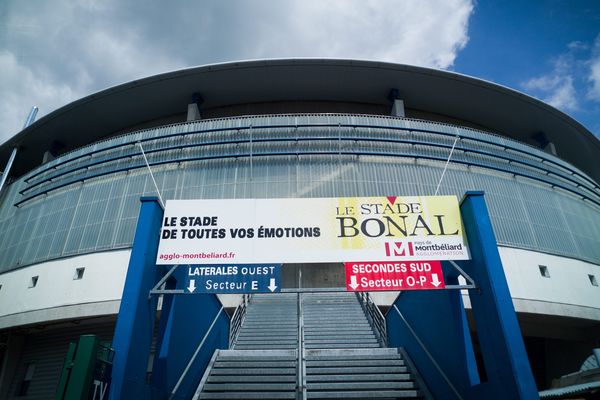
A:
x: 47, y: 349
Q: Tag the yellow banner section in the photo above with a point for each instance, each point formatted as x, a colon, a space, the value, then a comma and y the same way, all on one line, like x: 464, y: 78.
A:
x: 359, y: 219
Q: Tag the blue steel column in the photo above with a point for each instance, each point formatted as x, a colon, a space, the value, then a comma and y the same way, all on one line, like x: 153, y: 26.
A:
x: 185, y: 320
x: 501, y: 344
x: 135, y: 322
x: 438, y: 319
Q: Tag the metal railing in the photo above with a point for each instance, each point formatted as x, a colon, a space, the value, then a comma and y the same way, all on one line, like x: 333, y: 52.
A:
x: 301, y: 392
x: 427, y: 353
x: 375, y: 316
x: 237, y: 319
x: 189, y: 364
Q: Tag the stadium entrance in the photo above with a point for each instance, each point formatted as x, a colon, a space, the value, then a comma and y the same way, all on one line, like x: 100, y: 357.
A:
x: 286, y: 339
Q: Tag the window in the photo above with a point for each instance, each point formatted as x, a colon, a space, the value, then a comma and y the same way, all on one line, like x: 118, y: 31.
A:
x: 593, y: 280
x: 544, y: 271
x: 33, y: 282
x: 24, y: 386
x: 78, y: 273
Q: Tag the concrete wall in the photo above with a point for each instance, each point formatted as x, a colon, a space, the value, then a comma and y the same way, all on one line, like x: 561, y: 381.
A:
x: 567, y: 292
x: 57, y: 295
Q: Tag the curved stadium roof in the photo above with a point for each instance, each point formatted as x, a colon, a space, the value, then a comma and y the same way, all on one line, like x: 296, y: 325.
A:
x: 458, y: 97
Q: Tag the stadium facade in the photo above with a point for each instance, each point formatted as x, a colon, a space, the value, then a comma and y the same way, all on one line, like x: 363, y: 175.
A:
x: 289, y: 129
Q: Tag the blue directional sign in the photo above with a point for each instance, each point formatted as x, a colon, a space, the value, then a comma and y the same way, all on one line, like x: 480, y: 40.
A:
x: 239, y: 278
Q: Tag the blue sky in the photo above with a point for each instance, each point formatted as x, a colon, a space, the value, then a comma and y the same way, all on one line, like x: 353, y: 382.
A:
x: 53, y: 52
x: 539, y: 47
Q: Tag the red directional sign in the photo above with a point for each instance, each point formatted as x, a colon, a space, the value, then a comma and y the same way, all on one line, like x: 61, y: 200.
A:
x: 399, y: 275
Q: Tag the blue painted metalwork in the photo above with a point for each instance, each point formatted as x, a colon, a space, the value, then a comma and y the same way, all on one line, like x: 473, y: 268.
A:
x: 500, y: 339
x: 432, y: 325
x: 135, y: 322
x: 184, y: 322
x: 187, y: 321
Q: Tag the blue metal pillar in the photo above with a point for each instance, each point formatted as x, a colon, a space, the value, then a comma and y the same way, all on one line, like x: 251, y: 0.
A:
x: 135, y: 322
x: 185, y: 321
x: 501, y: 344
x: 433, y: 328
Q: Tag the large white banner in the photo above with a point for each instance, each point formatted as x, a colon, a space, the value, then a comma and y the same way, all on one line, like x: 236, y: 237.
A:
x: 252, y: 231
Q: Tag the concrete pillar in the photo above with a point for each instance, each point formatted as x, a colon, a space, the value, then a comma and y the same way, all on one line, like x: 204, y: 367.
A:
x: 398, y: 108
x: 193, y: 112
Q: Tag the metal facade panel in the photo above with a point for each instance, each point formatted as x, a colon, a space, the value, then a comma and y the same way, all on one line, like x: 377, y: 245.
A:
x: 47, y: 350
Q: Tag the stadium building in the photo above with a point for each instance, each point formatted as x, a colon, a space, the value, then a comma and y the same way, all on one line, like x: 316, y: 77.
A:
x: 291, y: 129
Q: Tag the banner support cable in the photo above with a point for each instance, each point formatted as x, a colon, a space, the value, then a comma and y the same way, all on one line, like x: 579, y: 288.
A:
x: 152, y: 176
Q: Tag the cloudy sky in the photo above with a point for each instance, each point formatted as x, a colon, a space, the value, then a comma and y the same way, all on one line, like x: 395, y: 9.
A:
x: 56, y: 51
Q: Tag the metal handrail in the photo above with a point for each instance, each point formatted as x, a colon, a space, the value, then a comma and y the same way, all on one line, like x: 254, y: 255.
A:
x: 420, y: 342
x: 189, y: 364
x: 301, y: 354
x: 374, y: 314
x: 237, y: 319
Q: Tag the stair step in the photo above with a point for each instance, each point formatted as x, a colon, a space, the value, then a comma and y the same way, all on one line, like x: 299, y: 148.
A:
x: 344, y: 359
x: 266, y: 346
x: 386, y: 394
x: 353, y: 362
x: 265, y: 341
x: 254, y: 371
x: 357, y: 370
x: 360, y: 385
x: 358, y: 352
x: 253, y: 387
x: 340, y: 346
x: 252, y: 378
x: 255, y: 364
x: 341, y: 340
x: 246, y: 395
x: 358, y: 378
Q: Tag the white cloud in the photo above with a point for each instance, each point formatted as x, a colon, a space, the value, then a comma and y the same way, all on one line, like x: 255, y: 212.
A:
x: 55, y: 52
x: 594, y: 71
x: 21, y: 89
x: 578, y: 45
x: 573, y: 81
x: 427, y: 33
x: 555, y: 89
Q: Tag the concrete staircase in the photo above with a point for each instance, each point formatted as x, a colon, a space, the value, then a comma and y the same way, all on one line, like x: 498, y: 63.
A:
x: 250, y: 374
x: 359, y: 374
x: 335, y: 321
x: 271, y: 323
x: 321, y: 348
